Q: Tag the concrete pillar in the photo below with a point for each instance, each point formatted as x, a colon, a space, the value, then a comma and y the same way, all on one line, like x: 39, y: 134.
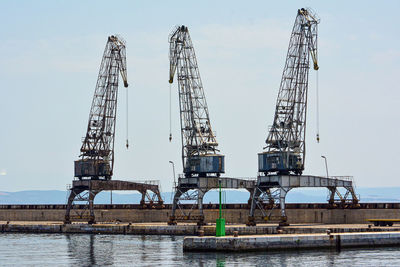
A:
x: 332, y: 191
x: 254, y: 199
x: 177, y: 195
x: 282, y: 199
x: 200, y: 195
x: 143, y: 200
x: 72, y: 195
x: 92, y: 195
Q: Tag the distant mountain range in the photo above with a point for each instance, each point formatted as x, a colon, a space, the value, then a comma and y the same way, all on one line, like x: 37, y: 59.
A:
x: 391, y: 194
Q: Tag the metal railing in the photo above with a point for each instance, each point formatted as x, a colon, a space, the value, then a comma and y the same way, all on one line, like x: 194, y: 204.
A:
x: 344, y: 177
x: 151, y: 182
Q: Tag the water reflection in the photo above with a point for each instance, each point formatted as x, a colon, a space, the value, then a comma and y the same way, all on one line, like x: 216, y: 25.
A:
x: 267, y: 258
x: 130, y: 250
x: 89, y: 250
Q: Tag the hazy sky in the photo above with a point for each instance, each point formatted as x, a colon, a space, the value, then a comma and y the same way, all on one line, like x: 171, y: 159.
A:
x: 50, y: 52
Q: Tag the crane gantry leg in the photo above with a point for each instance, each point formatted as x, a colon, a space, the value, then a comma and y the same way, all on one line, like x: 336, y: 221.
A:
x: 82, y: 195
x: 270, y: 194
x: 187, y: 205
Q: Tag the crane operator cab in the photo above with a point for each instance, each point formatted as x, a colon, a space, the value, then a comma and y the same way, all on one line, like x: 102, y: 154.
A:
x: 280, y: 163
x: 205, y: 165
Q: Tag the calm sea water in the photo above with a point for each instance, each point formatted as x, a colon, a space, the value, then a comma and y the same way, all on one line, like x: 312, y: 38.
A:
x: 127, y: 250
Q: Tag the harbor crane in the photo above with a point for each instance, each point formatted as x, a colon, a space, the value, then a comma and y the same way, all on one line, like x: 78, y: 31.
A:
x: 281, y: 165
x: 201, y: 160
x: 97, y: 151
x: 200, y: 156
x: 94, y: 169
x: 285, y: 150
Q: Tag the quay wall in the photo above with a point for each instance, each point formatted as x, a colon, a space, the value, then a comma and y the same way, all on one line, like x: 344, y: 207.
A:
x: 286, y: 242
x: 234, y: 213
x: 186, y: 229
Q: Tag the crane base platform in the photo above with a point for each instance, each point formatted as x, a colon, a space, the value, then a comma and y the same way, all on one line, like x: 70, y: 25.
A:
x: 270, y: 194
x: 193, y: 190
x: 85, y: 191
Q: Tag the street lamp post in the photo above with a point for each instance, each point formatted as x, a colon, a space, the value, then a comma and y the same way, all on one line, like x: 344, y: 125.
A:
x: 174, y: 186
x: 326, y: 166
x: 173, y: 169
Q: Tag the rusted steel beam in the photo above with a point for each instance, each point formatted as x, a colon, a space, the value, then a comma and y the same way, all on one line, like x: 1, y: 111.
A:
x: 114, y: 185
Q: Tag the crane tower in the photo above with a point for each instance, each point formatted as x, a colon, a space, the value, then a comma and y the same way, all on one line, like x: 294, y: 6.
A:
x: 94, y: 169
x: 199, y: 146
x: 285, y: 150
x: 97, y: 151
x: 282, y: 164
x: 202, y: 163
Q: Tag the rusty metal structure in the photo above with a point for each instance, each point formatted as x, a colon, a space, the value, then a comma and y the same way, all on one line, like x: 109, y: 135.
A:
x: 82, y: 193
x: 97, y: 151
x: 95, y: 167
x: 188, y: 204
x: 199, y: 144
x: 270, y: 193
x: 282, y: 164
x: 202, y: 163
x: 285, y: 150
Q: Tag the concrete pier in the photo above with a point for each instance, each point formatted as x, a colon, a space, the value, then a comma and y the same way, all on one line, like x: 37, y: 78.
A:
x: 290, y: 241
x: 234, y: 213
x: 187, y: 229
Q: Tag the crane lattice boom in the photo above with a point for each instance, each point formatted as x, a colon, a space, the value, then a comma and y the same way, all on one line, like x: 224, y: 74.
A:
x: 199, y: 145
x: 285, y: 150
x: 97, y: 151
